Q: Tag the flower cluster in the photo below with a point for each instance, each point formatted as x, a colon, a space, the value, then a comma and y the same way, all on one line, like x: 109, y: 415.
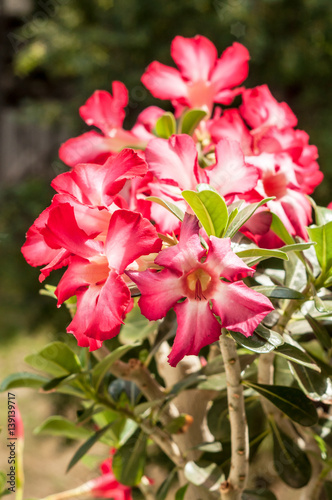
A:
x: 104, y: 227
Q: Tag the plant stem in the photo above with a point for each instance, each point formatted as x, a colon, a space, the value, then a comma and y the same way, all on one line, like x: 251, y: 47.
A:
x: 232, y: 488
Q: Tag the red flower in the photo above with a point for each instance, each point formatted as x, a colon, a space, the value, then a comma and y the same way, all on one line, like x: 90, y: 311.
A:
x: 194, y: 274
x: 202, y: 78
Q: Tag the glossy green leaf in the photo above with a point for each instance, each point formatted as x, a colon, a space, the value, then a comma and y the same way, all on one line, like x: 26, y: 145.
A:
x: 23, y: 379
x: 60, y: 426
x: 171, y: 207
x: 289, y: 400
x: 129, y: 461
x: 254, y: 343
x: 101, y: 368
x: 52, y: 384
x: 242, y: 217
x: 210, y: 477
x: 296, y: 276
x: 278, y: 292
x: 279, y: 229
x: 273, y: 337
x: 258, y: 495
x: 148, y: 405
x: 191, y: 119
x: 312, y: 383
x: 181, y: 492
x: 165, y: 485
x: 165, y: 126
x: 56, y: 358
x: 320, y: 331
x: 218, y: 419
x: 213, y: 383
x: 262, y: 253
x: 322, y: 235
x: 290, y: 462
x: 82, y: 450
x: 136, y: 328
x: 323, y: 215
x: 297, y: 355
x: 208, y: 447
x: 323, y: 306
x: 210, y: 209
x: 297, y: 247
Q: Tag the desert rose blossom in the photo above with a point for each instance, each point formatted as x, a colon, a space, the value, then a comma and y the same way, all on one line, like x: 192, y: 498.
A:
x: 93, y: 192
x: 201, y: 278
x: 202, y: 78
x: 107, y: 113
x: 95, y: 269
x: 174, y: 164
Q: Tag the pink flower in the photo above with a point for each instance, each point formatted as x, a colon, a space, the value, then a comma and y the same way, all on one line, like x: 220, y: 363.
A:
x: 174, y: 163
x: 202, y: 77
x: 93, y: 192
x: 262, y: 111
x: 194, y: 274
x: 96, y: 267
x: 107, y: 113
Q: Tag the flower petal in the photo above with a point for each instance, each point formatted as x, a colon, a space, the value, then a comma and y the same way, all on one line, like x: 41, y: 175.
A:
x: 232, y: 67
x: 240, y: 308
x: 129, y: 236
x: 231, y: 174
x: 195, y: 57
x: 164, y: 82
x: 186, y: 255
x: 173, y: 159
x: 197, y: 327
x: 86, y: 148
x: 105, y: 111
x: 221, y: 260
x: 160, y: 291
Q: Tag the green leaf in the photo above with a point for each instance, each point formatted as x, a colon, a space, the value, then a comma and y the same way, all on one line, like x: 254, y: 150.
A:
x: 129, y: 461
x: 323, y: 215
x: 100, y: 369
x: 136, y: 328
x: 312, y: 383
x: 294, y: 354
x: 218, y: 419
x: 181, y: 492
x: 297, y: 247
x: 191, y: 119
x: 254, y: 343
x: 261, y: 254
x: 242, y: 217
x: 210, y: 209
x: 278, y: 292
x: 147, y: 405
x: 60, y: 426
x: 208, y: 447
x: 273, y: 337
x: 291, y: 463
x: 168, y: 205
x: 56, y: 358
x: 213, y: 383
x: 82, y: 450
x: 165, y: 485
x: 210, y: 477
x: 3, y: 480
x: 258, y: 495
x: 322, y: 235
x: 279, y: 229
x: 320, y: 331
x: 51, y: 384
x: 322, y: 305
x: 165, y: 126
x: 23, y: 379
x: 289, y: 400
x: 296, y: 276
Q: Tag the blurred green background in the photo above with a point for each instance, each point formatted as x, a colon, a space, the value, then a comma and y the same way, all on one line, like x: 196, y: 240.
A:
x: 57, y: 52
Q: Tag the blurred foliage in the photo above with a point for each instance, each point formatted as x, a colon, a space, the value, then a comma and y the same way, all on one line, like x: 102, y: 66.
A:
x: 21, y: 310
x: 85, y: 45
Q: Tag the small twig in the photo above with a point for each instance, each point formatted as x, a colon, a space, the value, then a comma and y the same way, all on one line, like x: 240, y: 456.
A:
x: 232, y: 488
